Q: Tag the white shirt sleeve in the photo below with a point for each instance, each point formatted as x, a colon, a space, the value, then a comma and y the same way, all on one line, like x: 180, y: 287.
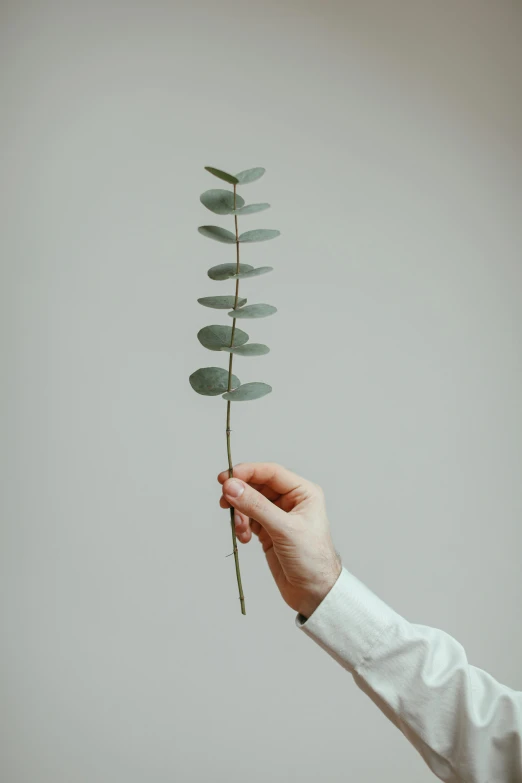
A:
x: 466, y: 726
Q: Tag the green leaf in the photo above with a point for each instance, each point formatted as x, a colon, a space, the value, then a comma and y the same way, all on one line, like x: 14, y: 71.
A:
x: 218, y: 233
x: 249, y: 175
x: 225, y: 271
x: 250, y: 349
x: 259, y: 235
x: 260, y: 270
x: 223, y: 175
x: 248, y: 391
x: 212, y: 381
x: 253, y: 311
x: 222, y: 201
x: 221, y: 302
x: 250, y: 209
x: 216, y: 337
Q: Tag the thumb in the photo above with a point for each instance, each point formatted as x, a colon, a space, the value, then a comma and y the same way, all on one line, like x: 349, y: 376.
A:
x: 252, y: 503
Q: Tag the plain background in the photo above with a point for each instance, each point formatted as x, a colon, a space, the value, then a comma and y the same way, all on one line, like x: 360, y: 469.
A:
x: 392, y: 137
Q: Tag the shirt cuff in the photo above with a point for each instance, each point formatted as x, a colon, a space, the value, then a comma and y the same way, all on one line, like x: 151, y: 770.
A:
x: 349, y: 621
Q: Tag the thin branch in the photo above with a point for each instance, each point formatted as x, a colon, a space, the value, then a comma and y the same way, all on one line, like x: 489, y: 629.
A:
x: 230, y: 468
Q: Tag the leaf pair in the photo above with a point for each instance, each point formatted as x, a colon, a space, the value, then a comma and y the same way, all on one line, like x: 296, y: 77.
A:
x: 229, y: 271
x: 243, y: 178
x: 216, y: 337
x: 221, y: 202
x: 226, y: 302
x: 221, y: 302
x: 219, y: 338
x: 253, y: 311
x: 212, y: 381
x: 224, y: 235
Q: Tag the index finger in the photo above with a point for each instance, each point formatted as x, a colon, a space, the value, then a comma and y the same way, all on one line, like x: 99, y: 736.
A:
x: 271, y: 474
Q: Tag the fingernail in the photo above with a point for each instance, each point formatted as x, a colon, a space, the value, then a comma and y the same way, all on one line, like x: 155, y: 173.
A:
x: 234, y: 489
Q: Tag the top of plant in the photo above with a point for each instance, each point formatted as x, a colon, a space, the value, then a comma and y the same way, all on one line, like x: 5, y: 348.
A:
x: 212, y: 381
x: 243, y: 178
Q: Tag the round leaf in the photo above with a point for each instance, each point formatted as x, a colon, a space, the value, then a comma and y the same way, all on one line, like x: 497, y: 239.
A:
x: 250, y: 209
x: 260, y: 270
x: 248, y: 391
x: 222, y: 202
x: 225, y: 271
x: 250, y: 349
x: 221, y: 302
x: 216, y: 337
x: 259, y: 235
x: 212, y: 381
x: 253, y: 311
x: 222, y: 175
x: 250, y: 175
x: 218, y: 233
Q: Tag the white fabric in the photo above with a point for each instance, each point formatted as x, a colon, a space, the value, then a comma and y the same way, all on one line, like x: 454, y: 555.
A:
x: 466, y: 726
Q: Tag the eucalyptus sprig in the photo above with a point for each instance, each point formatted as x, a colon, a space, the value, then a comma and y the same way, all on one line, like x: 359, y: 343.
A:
x: 212, y: 381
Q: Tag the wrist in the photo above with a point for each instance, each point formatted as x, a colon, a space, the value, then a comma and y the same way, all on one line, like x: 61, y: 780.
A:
x: 312, y: 601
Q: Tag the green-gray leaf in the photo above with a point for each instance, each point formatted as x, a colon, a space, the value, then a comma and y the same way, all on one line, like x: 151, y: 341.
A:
x: 218, y: 233
x: 223, y: 175
x: 250, y: 349
x: 221, y: 202
x: 250, y: 209
x: 260, y: 270
x: 216, y: 336
x: 259, y: 235
x: 225, y: 271
x: 248, y: 391
x: 212, y: 381
x: 221, y: 302
x: 250, y: 175
x: 253, y: 311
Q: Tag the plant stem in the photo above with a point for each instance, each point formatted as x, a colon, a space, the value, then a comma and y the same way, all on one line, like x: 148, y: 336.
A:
x: 230, y: 468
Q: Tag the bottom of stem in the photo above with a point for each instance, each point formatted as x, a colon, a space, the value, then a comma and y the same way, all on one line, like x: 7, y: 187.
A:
x: 236, y: 560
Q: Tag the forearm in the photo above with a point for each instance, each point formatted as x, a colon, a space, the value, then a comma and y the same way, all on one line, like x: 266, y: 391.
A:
x: 465, y: 724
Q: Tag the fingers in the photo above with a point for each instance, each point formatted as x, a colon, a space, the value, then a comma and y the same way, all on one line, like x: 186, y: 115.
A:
x: 275, y: 476
x: 253, y: 504
x: 266, y: 491
x: 255, y: 527
x: 242, y: 526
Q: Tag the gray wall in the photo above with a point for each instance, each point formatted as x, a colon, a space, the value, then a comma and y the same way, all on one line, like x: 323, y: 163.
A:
x: 391, y: 134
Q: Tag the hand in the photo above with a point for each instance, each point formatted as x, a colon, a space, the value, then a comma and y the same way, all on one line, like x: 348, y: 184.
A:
x: 288, y: 515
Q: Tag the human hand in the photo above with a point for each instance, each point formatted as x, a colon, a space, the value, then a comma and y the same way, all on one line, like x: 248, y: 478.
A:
x: 288, y: 515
